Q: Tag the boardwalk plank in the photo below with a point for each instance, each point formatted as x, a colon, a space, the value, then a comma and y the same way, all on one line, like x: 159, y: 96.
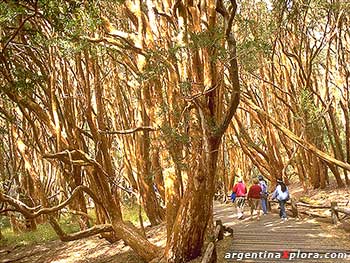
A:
x: 270, y: 233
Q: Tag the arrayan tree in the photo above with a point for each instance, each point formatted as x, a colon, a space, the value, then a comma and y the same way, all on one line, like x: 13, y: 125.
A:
x: 294, y: 118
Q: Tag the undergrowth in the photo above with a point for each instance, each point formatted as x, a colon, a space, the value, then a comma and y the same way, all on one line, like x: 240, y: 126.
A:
x: 45, y: 232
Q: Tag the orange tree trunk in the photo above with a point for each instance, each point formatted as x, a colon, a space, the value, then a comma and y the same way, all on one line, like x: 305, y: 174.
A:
x: 191, y: 222
x: 145, y: 178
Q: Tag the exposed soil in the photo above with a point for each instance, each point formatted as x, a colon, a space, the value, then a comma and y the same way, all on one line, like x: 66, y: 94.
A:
x: 322, y: 196
x: 93, y: 249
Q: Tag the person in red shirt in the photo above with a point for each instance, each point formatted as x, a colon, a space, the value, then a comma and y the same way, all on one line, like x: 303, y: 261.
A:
x: 254, y: 198
x: 240, y: 190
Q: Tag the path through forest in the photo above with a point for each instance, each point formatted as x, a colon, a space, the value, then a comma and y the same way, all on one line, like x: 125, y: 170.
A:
x: 267, y: 234
x: 271, y: 234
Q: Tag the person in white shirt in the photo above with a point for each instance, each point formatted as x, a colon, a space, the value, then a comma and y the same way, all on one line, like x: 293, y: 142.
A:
x: 282, y: 195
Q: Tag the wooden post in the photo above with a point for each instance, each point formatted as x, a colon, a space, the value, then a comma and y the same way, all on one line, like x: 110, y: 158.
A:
x: 345, y: 211
x: 334, y: 212
x: 219, y: 230
x: 294, y: 208
x: 158, y: 260
x: 210, y: 254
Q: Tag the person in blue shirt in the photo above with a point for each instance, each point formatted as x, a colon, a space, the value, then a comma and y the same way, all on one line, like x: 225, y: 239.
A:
x: 282, y: 195
x: 264, y: 194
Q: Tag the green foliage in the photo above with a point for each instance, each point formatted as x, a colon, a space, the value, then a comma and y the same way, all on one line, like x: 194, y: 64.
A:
x: 310, y: 114
x: 43, y: 233
x: 10, y: 14
x: 3, y: 130
x: 308, y: 108
x: 185, y: 87
x: 68, y: 22
x: 256, y: 30
x: 175, y: 135
x: 250, y: 53
x: 155, y: 66
x: 212, y: 39
x: 206, y: 39
x: 174, y: 50
x: 71, y: 18
x: 131, y: 213
x: 25, y: 80
x: 4, y: 222
x: 9, y: 11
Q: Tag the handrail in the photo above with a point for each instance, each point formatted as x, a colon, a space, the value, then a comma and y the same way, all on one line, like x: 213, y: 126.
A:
x: 314, y: 206
x: 210, y: 252
x: 334, y: 207
x: 342, y: 210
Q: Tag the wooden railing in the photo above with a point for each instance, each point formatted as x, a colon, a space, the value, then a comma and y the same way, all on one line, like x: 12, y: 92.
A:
x: 210, y: 253
x: 334, y: 208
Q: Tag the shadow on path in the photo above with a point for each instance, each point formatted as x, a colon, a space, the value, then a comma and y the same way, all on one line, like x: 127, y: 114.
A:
x: 291, y: 240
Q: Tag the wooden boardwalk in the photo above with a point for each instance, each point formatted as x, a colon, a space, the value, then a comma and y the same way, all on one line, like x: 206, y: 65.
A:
x: 283, y: 239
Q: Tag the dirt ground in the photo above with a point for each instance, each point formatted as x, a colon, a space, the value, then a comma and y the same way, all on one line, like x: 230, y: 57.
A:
x: 322, y: 196
x: 93, y: 249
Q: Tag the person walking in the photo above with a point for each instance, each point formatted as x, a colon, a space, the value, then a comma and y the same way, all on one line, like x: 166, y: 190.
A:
x: 281, y: 193
x: 241, y: 191
x: 254, y: 198
x: 264, y: 194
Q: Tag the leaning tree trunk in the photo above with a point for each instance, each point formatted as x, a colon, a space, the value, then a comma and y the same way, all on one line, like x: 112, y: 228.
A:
x: 196, y: 207
x: 154, y: 211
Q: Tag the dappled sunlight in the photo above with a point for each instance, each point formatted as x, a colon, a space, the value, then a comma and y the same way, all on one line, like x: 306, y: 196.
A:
x: 86, y: 250
x: 325, y: 235
x: 157, y: 235
x: 89, y: 250
x: 270, y: 233
x: 322, y: 196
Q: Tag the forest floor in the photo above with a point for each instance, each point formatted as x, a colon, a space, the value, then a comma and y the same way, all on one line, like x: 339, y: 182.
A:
x: 99, y: 250
x: 92, y: 249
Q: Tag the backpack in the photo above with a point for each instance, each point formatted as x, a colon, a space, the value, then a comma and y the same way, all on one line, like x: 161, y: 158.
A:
x: 264, y: 192
x: 287, y: 197
x: 233, y: 197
